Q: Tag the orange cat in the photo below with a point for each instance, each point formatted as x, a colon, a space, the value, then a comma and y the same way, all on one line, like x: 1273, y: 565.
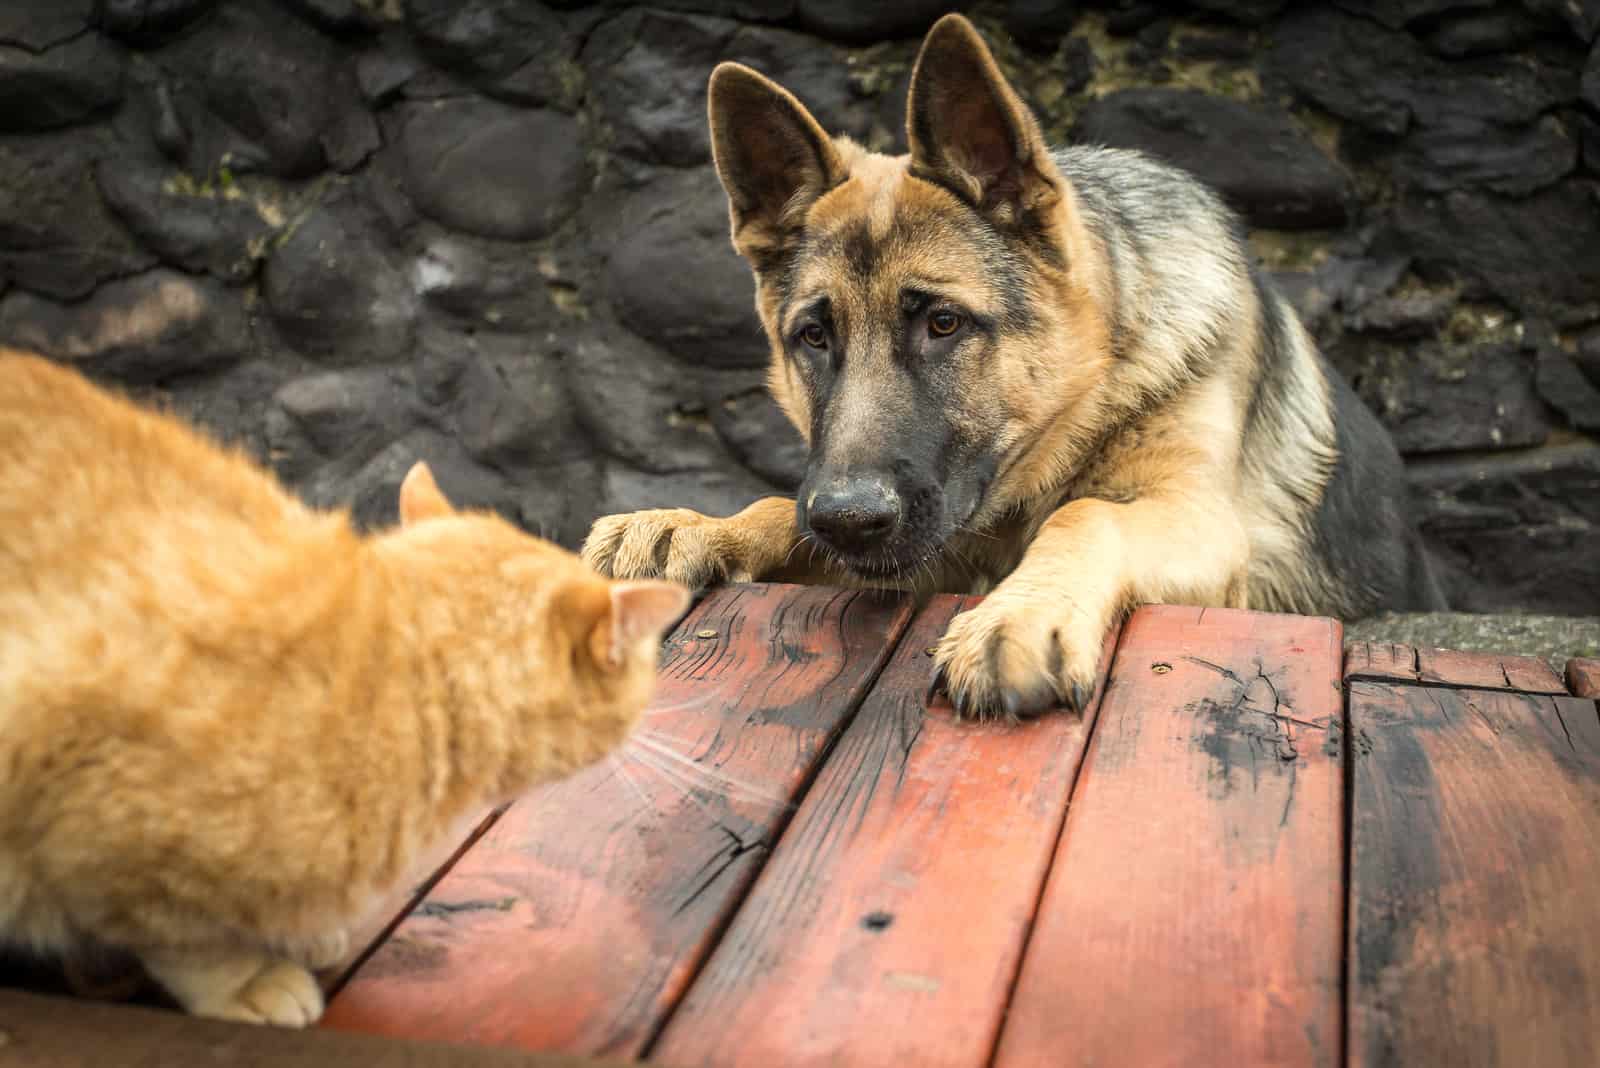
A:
x: 229, y: 724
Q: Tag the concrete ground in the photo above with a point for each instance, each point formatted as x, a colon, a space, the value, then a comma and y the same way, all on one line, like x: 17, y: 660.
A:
x: 1556, y: 638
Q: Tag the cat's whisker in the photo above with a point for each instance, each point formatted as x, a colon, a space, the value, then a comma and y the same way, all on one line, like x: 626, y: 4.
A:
x: 684, y: 785
x: 621, y: 769
x: 715, y: 777
x: 681, y: 706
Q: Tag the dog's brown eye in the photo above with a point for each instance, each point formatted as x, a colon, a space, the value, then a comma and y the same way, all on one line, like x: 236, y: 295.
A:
x: 943, y: 323
x: 814, y: 336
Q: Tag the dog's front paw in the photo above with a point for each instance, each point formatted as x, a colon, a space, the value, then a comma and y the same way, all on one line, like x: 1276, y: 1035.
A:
x: 675, y: 544
x: 1017, y: 657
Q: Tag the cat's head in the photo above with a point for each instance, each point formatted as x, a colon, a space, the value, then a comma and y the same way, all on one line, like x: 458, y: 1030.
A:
x: 572, y: 652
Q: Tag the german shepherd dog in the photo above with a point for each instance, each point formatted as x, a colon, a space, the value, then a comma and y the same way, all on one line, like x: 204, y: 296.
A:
x: 1053, y: 377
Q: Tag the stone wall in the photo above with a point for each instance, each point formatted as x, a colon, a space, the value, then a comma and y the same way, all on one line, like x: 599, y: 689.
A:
x: 352, y: 233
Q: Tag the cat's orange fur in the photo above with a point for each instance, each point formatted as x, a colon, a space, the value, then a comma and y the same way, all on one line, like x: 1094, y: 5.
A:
x: 229, y: 723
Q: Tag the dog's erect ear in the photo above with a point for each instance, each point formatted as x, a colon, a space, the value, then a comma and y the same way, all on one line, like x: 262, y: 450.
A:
x: 772, y: 156
x: 970, y: 132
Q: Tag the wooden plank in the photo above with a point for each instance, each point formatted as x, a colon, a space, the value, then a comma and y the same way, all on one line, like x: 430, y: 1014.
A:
x: 1380, y: 660
x: 1475, y: 853
x: 1583, y: 677
x: 47, y: 1032
x: 1393, y: 662
x: 888, y: 926
x: 575, y: 923
x: 1488, y: 671
x: 1193, y: 913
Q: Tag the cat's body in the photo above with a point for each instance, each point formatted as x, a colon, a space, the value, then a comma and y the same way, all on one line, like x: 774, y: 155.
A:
x: 229, y: 724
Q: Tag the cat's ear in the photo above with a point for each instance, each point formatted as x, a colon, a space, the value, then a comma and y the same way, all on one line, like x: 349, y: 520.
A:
x: 639, y: 611
x: 420, y: 496
x: 774, y: 159
x: 970, y: 132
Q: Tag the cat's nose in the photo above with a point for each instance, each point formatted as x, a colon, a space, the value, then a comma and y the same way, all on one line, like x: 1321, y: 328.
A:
x: 854, y: 515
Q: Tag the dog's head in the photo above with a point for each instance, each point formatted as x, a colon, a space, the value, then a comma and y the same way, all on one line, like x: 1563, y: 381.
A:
x: 928, y: 317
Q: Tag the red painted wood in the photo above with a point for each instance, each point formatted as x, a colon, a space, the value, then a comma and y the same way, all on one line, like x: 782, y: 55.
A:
x: 575, y: 923
x: 1583, y: 677
x: 1475, y: 853
x: 1525, y: 674
x: 1444, y: 667
x: 1380, y: 660
x: 1193, y: 912
x: 888, y: 926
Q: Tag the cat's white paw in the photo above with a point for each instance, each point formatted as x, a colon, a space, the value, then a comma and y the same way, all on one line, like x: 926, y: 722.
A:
x: 244, y: 987
x: 283, y: 994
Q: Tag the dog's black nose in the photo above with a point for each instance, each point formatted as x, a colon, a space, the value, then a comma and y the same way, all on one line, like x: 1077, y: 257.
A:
x: 854, y: 516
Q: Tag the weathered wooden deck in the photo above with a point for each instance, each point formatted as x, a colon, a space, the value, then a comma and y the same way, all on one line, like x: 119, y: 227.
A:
x: 1251, y: 850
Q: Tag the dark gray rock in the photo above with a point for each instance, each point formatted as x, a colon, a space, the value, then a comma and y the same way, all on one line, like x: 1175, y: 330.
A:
x: 40, y: 24
x: 1566, y: 388
x: 674, y: 278
x: 1124, y: 17
x: 510, y: 49
x: 747, y: 10
x: 225, y: 403
x: 1588, y: 356
x: 56, y: 237
x: 220, y: 231
x: 335, y: 292
x: 1482, y: 33
x: 1536, y: 253
x: 1397, y: 13
x: 337, y: 415
x: 146, y: 22
x: 1446, y: 398
x: 1347, y: 65
x: 1283, y: 181
x: 1340, y: 283
x: 1590, y: 83
x: 1582, y: 17
x: 149, y: 328
x: 719, y: 492
x: 337, y: 16
x: 1383, y: 80
x: 1408, y: 315
x: 494, y: 170
x: 647, y: 72
x: 849, y: 20
x: 1204, y: 43
x: 70, y: 83
x: 510, y: 409
x: 382, y: 73
x: 369, y: 483
x: 260, y: 90
x: 756, y: 431
x: 1518, y: 530
x: 1039, y: 25
x: 1253, y: 12
x: 1464, y: 153
x: 1589, y: 137
x: 639, y: 405
x: 489, y: 283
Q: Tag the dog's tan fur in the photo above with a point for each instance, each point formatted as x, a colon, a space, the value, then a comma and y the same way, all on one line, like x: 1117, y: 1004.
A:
x: 1163, y: 428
